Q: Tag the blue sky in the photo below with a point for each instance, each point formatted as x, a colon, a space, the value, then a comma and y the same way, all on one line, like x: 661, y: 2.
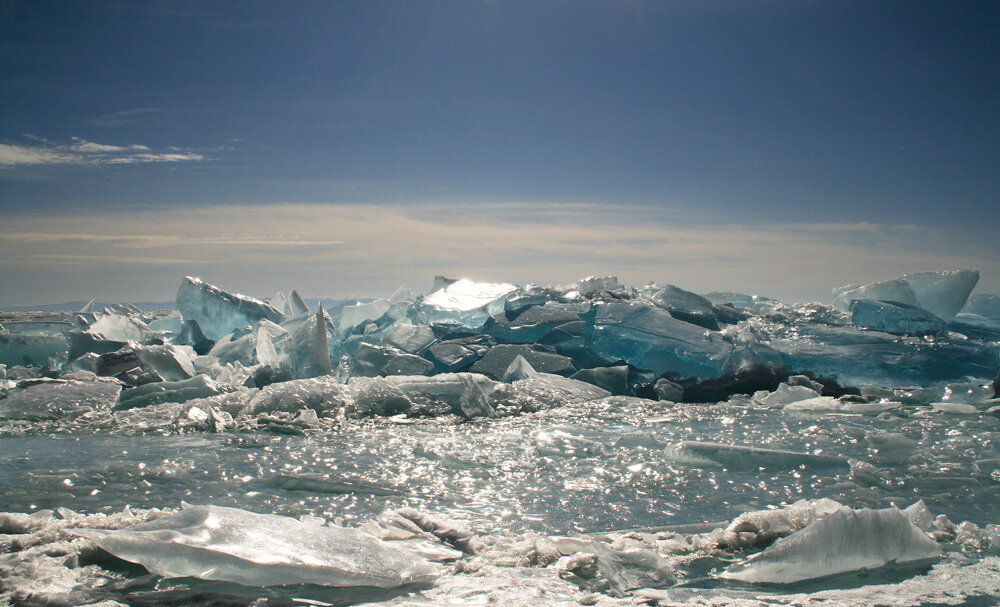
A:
x: 777, y: 146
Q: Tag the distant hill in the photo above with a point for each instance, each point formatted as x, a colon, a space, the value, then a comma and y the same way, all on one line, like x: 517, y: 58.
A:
x: 329, y: 304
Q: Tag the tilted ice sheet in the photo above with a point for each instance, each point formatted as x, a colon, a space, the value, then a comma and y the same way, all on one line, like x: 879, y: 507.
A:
x: 845, y: 541
x: 228, y: 544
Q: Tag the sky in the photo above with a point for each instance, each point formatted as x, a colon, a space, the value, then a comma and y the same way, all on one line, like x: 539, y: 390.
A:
x: 343, y: 148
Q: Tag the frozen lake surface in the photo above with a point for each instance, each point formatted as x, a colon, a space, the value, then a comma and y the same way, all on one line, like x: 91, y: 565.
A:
x: 405, y: 451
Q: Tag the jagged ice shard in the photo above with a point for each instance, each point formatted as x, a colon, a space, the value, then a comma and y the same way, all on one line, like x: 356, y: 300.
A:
x: 219, y: 313
x: 232, y: 545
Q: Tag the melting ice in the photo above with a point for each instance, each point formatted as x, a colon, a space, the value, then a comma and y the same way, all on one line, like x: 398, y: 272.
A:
x: 591, y: 443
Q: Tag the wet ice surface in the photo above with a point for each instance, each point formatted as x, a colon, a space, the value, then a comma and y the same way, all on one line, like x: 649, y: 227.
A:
x: 570, y: 471
x: 187, y: 458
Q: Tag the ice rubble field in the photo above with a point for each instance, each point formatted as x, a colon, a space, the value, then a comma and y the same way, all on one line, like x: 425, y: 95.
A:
x: 493, y: 444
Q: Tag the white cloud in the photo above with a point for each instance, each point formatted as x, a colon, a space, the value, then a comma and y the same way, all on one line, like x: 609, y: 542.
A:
x: 86, y: 153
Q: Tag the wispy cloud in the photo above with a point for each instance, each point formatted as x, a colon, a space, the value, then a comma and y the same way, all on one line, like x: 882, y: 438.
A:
x: 123, y: 117
x: 87, y: 153
x: 333, y: 249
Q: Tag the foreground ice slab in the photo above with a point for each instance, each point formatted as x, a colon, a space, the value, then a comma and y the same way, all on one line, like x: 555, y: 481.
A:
x: 218, y: 312
x: 843, y: 542
x: 232, y: 545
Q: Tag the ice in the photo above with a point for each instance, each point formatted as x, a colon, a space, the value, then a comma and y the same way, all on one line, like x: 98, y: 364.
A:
x: 321, y: 394
x: 631, y: 569
x: 897, y: 290
x: 232, y: 545
x: 761, y: 527
x: 464, y: 303
x: 545, y: 391
x: 843, y: 542
x: 943, y: 294
x: 412, y: 339
x: 519, y: 368
x: 458, y: 354
x: 117, y: 328
x: 309, y: 349
x: 445, y: 387
x: 737, y: 457
x: 217, y: 312
x: 565, y: 442
x: 541, y: 358
x: 786, y: 395
x: 171, y: 363
x: 295, y: 305
x: 266, y: 353
x: 407, y: 364
x: 612, y: 379
x: 31, y: 349
x: 59, y: 400
x: 473, y: 401
x: 686, y: 306
x: 199, y: 386
x: 361, y: 313
x: 596, y: 284
x: 895, y: 318
x: 649, y: 338
x: 983, y: 305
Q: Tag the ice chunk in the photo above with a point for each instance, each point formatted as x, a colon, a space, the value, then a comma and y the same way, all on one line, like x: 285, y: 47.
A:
x: 761, y: 527
x: 519, y: 368
x: 407, y: 364
x: 309, y: 347
x: 897, y: 290
x: 171, y: 363
x: 941, y: 293
x: 544, y: 391
x: 321, y: 394
x: 457, y: 354
x: 737, y: 457
x: 232, y: 545
x: 984, y: 305
x: 633, y: 568
x: 596, y: 284
x: 267, y: 355
x: 685, y: 305
x: 817, y: 404
x: 786, y: 395
x: 219, y: 313
x: 649, y: 338
x: 612, y: 379
x: 668, y: 390
x: 843, y: 542
x: 199, y: 386
x: 473, y: 401
x: 412, y: 339
x: 541, y: 358
x: 59, y: 400
x: 31, y: 349
x: 360, y: 313
x: 895, y: 318
x: 445, y: 387
x: 464, y: 303
x: 296, y: 306
x: 118, y: 328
